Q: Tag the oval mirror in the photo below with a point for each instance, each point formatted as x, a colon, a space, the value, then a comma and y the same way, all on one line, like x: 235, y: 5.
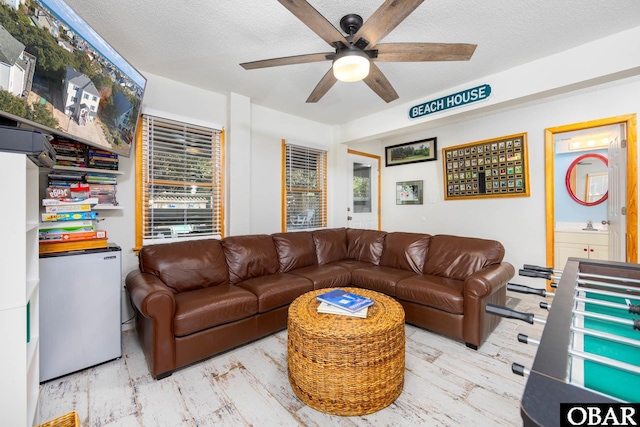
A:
x: 588, y: 179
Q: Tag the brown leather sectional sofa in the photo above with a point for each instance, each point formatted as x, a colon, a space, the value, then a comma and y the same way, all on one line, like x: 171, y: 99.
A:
x: 198, y: 298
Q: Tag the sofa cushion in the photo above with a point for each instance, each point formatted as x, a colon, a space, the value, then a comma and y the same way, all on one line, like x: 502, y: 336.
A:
x: 185, y: 266
x: 276, y: 290
x: 206, y: 308
x: 331, y: 245
x: 250, y: 256
x: 433, y: 291
x: 406, y: 251
x: 380, y: 278
x: 458, y: 257
x: 295, y: 250
x: 365, y: 245
x: 325, y: 276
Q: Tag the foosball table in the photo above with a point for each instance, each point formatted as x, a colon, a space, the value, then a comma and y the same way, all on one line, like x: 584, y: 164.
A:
x: 589, y: 351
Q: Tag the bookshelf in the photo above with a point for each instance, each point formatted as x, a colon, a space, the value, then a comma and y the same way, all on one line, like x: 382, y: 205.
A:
x: 19, y: 295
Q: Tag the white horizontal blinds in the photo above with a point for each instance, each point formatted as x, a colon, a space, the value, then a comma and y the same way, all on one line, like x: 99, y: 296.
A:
x: 305, y: 187
x: 182, y: 180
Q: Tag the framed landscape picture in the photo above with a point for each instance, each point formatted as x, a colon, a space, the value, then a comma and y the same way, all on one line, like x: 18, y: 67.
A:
x: 424, y: 150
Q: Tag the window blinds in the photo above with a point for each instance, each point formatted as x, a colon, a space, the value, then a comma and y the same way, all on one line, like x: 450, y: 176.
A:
x: 305, y: 187
x: 181, y: 180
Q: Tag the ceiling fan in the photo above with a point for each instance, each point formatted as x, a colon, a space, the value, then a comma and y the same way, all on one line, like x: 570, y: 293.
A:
x: 356, y: 53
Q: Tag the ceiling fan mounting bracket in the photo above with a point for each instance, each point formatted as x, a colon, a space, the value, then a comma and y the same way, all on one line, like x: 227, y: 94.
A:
x: 351, y: 23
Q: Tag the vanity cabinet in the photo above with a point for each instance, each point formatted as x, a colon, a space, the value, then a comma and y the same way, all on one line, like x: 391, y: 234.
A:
x: 590, y: 245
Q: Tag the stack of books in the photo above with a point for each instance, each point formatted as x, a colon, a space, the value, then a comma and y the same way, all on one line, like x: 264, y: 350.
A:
x: 103, y: 187
x: 69, y: 153
x: 343, y: 303
x: 69, y: 224
x: 101, y: 159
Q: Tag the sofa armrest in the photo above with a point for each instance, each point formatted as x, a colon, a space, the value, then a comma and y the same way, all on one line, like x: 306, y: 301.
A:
x: 155, y: 307
x: 488, y: 285
x: 152, y: 298
x: 486, y: 281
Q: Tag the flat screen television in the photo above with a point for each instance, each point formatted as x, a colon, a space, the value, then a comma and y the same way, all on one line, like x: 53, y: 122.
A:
x: 57, y: 75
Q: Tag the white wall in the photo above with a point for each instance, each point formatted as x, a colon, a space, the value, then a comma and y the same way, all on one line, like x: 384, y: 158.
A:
x: 169, y: 99
x: 268, y: 129
x: 517, y: 222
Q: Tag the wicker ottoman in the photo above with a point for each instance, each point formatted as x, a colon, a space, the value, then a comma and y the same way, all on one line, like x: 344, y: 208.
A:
x: 346, y: 365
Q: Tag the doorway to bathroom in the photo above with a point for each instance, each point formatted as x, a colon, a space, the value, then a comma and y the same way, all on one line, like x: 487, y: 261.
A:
x: 591, y: 190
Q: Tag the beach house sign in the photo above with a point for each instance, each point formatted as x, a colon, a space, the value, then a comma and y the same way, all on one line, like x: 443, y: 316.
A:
x: 467, y: 96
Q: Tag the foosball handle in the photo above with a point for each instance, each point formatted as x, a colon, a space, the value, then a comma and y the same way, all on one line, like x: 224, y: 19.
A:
x: 518, y: 369
x: 538, y: 268
x: 532, y: 273
x: 554, y: 285
x: 634, y: 308
x: 545, y: 305
x: 509, y: 313
x: 526, y: 289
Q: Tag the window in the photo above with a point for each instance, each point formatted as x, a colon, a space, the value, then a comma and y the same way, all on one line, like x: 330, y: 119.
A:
x: 305, y: 187
x: 86, y: 96
x: 179, y: 166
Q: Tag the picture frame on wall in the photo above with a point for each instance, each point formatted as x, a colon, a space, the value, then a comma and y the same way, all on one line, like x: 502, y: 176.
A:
x: 496, y: 167
x: 424, y: 150
x: 409, y: 193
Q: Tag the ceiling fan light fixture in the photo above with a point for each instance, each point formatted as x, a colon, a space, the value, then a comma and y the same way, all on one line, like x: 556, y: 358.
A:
x: 351, y: 66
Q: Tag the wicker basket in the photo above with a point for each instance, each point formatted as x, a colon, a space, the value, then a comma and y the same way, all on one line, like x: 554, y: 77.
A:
x: 346, y: 365
x: 67, y: 420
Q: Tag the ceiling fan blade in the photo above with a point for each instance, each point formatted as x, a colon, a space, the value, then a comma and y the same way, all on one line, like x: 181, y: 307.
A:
x: 315, y: 21
x: 416, y: 52
x: 287, y: 60
x: 384, y: 20
x: 380, y: 85
x: 323, y: 87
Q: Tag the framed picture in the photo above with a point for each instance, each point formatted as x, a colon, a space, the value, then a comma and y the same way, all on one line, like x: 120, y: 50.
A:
x: 409, y: 193
x: 494, y: 168
x: 424, y: 150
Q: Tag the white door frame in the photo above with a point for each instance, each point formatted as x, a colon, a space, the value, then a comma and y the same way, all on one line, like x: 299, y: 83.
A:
x: 379, y: 198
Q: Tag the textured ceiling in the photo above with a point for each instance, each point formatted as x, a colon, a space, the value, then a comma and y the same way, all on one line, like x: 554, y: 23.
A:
x: 203, y: 43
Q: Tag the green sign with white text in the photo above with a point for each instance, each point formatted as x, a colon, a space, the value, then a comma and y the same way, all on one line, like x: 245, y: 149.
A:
x: 459, y: 99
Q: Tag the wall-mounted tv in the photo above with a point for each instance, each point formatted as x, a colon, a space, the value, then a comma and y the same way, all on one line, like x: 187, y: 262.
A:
x: 57, y: 75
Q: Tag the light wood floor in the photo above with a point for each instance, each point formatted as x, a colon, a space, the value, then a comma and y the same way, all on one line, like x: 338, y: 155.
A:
x: 446, y: 384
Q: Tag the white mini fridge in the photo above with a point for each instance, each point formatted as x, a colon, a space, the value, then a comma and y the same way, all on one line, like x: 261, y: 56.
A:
x: 80, y: 310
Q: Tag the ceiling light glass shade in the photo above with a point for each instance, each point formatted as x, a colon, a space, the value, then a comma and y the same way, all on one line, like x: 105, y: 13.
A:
x: 351, y: 66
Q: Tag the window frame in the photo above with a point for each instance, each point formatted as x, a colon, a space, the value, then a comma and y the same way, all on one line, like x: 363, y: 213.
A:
x: 321, y: 188
x: 218, y: 211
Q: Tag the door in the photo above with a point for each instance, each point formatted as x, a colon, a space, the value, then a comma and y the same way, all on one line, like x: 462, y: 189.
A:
x: 363, y: 205
x: 617, y: 199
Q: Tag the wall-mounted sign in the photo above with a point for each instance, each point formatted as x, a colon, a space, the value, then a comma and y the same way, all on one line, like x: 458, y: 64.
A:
x: 464, y: 97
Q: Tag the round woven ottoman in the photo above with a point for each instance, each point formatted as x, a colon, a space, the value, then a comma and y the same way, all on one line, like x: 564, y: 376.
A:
x: 346, y: 365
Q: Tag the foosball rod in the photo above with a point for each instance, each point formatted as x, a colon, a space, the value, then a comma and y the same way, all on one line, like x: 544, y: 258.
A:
x: 515, y: 287
x: 605, y: 361
x: 600, y: 276
x: 513, y: 314
x: 635, y: 323
x: 527, y: 339
x: 519, y: 369
x: 538, y: 274
x: 630, y: 308
x: 603, y: 292
x: 542, y: 269
x: 606, y: 336
x: 608, y: 285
